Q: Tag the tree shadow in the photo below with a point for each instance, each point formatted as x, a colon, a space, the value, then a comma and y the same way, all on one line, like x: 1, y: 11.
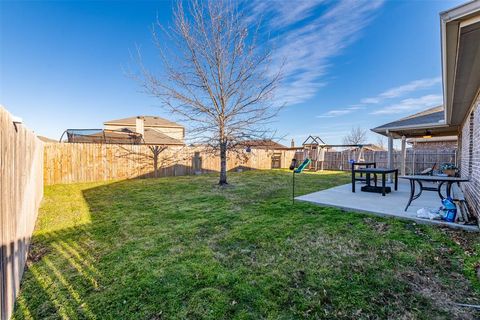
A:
x: 115, y: 265
x: 60, y: 260
x: 158, y: 162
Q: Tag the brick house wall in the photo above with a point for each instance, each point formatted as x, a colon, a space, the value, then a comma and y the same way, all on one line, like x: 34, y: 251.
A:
x: 470, y: 157
x: 440, y: 145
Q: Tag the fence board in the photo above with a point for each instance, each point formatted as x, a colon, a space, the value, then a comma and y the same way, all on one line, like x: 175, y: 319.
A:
x: 21, y: 190
x: 416, y: 160
x: 86, y: 162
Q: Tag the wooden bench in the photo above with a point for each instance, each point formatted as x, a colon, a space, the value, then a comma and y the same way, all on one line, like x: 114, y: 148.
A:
x: 463, y: 214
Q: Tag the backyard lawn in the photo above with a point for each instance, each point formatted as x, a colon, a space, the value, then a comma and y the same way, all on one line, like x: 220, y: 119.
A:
x: 178, y: 248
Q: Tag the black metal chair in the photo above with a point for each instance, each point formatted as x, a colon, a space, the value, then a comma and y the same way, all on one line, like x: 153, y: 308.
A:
x: 366, y: 165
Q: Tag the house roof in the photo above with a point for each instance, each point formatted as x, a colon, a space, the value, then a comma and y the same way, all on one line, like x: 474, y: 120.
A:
x: 152, y: 136
x: 45, y: 139
x: 431, y: 120
x: 370, y: 147
x: 433, y: 115
x: 373, y: 147
x: 263, y: 144
x: 149, y: 121
x: 460, y: 34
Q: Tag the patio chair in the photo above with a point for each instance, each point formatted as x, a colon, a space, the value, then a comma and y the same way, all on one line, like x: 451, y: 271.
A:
x: 366, y: 165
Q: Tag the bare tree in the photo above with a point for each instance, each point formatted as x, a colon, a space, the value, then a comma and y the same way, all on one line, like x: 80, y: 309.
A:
x: 356, y: 136
x: 215, y: 76
x: 382, y: 142
x: 156, y: 151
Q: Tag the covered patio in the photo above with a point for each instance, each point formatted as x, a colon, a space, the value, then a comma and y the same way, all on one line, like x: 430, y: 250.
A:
x: 426, y: 124
x: 391, y: 205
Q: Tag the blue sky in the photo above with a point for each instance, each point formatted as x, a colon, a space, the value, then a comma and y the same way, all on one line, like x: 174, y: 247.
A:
x: 349, y: 63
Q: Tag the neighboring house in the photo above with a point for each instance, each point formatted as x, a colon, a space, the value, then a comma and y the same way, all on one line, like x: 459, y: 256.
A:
x: 267, y: 144
x: 367, y: 147
x: 45, y: 139
x: 434, y: 143
x: 150, y: 130
x: 460, y: 115
x: 153, y: 129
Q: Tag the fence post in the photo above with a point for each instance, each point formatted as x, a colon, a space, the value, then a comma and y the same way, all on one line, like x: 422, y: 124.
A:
x: 414, y: 159
x: 197, y: 163
x: 390, y: 155
x: 403, y: 156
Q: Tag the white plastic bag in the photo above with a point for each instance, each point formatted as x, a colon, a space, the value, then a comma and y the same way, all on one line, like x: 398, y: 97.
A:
x: 431, y: 214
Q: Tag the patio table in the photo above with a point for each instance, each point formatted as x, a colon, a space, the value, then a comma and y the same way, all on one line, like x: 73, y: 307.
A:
x: 368, y: 171
x: 435, y: 179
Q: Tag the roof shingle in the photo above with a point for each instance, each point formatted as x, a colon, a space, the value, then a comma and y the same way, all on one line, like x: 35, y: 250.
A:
x: 150, y: 121
x: 433, y: 115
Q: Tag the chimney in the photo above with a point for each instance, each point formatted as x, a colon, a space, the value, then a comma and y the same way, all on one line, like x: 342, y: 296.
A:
x: 140, y: 126
x: 292, y: 144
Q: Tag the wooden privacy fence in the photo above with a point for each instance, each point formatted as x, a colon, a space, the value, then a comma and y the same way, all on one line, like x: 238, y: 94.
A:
x: 86, y: 162
x: 21, y: 190
x: 416, y: 160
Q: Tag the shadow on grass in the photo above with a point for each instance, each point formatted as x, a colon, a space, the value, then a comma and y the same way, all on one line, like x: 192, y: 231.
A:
x: 12, y: 261
x: 108, y: 267
x: 60, y: 271
x: 138, y: 233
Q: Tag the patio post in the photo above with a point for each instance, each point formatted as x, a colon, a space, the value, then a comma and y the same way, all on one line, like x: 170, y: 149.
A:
x: 403, y: 156
x: 390, y: 154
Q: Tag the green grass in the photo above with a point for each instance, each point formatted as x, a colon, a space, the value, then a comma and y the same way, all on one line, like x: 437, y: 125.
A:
x: 184, y: 248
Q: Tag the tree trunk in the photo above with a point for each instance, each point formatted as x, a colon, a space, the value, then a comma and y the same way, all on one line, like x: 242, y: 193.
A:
x: 223, y: 164
x: 155, y: 152
x: 155, y: 165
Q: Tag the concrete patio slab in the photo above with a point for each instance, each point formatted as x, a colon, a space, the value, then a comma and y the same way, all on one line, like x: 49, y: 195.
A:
x: 391, y: 205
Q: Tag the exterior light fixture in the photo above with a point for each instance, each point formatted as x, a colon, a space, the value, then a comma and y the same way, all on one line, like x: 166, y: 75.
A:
x: 428, y: 134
